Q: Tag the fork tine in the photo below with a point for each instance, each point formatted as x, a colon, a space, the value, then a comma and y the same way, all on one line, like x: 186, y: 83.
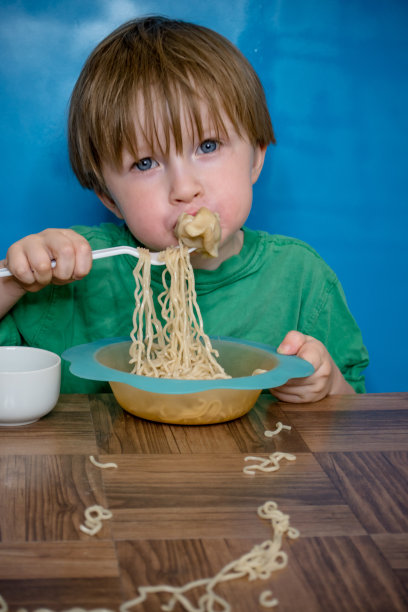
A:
x: 125, y: 250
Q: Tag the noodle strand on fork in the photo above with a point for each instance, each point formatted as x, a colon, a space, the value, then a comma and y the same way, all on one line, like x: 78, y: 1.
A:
x: 179, y: 348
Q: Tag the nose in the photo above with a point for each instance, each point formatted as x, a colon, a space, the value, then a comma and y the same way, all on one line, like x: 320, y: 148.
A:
x: 184, y: 182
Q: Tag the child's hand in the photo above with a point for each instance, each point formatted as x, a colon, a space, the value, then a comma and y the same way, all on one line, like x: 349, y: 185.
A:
x: 325, y: 380
x: 29, y: 259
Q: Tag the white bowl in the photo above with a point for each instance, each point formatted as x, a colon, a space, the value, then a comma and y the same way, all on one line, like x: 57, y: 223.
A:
x: 30, y: 380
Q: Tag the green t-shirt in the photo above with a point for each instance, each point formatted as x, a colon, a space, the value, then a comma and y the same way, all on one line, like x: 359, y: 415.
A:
x: 273, y: 285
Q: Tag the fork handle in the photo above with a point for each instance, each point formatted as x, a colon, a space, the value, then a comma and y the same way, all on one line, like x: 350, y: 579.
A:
x: 97, y: 254
x: 6, y: 271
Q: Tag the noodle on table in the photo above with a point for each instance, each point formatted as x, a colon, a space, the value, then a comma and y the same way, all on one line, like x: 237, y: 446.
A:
x: 278, y: 428
x: 259, y: 563
x: 102, y: 465
x: 268, y: 464
x: 94, y: 515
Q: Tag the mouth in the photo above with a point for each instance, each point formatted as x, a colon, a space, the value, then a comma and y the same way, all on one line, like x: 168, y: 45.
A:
x: 184, y: 212
x: 202, y: 231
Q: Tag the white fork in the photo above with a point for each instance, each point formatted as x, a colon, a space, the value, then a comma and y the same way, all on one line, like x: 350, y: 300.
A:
x: 155, y: 258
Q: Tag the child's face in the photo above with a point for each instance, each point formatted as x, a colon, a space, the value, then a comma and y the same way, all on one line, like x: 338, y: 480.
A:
x: 151, y: 192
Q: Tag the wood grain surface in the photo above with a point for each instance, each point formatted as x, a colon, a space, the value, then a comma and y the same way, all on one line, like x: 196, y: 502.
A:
x: 183, y: 508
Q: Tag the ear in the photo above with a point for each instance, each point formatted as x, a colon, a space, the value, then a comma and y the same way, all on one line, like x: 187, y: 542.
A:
x: 258, y: 162
x: 110, y: 204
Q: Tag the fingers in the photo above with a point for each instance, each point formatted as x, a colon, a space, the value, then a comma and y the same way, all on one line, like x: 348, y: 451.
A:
x: 22, y: 260
x: 299, y: 390
x: 29, y: 259
x: 291, y: 343
x: 305, y: 347
x: 294, y: 395
x: 72, y: 254
x: 313, y: 387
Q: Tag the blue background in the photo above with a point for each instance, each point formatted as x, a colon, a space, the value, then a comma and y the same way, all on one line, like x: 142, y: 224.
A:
x: 335, y: 74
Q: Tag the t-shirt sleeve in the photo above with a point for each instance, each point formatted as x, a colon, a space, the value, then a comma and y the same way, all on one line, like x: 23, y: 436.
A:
x: 333, y: 324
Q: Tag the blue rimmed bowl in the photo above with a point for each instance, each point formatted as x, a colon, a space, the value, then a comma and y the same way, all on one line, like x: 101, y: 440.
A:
x: 188, y: 402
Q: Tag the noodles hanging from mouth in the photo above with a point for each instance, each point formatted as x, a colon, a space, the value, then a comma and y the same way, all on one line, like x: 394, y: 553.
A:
x: 179, y: 348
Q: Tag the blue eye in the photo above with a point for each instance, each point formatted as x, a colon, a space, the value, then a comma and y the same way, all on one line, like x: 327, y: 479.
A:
x: 208, y: 146
x: 147, y: 163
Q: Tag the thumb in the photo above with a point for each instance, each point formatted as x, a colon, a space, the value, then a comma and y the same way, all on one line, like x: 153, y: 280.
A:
x: 292, y: 343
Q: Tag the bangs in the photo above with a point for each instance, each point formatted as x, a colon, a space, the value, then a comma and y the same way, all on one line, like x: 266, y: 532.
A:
x: 162, y: 114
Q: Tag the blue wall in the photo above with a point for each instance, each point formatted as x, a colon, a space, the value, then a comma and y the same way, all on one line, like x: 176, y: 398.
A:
x: 335, y: 73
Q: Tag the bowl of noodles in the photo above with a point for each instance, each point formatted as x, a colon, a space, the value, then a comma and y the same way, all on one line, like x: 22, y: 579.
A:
x: 250, y: 367
x: 170, y: 370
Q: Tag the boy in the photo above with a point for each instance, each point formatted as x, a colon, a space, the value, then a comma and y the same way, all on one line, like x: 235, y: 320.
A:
x: 167, y: 117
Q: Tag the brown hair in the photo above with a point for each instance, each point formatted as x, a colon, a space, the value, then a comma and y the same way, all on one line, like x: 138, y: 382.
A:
x: 174, y: 64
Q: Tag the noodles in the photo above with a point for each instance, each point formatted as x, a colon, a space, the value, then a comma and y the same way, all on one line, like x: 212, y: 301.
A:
x: 258, y: 371
x: 201, y: 231
x: 101, y: 465
x: 93, y: 519
x: 266, y: 600
x: 279, y: 521
x: 260, y: 562
x: 4, y: 608
x: 179, y: 348
x: 270, y: 464
x: 279, y: 427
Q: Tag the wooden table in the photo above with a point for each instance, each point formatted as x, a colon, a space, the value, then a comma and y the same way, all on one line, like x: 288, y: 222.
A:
x: 183, y: 508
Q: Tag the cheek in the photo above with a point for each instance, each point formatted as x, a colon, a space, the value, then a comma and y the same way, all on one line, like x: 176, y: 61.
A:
x: 137, y: 207
x: 142, y: 226
x: 237, y: 188
x: 237, y: 203
x: 150, y: 227
x: 235, y: 208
